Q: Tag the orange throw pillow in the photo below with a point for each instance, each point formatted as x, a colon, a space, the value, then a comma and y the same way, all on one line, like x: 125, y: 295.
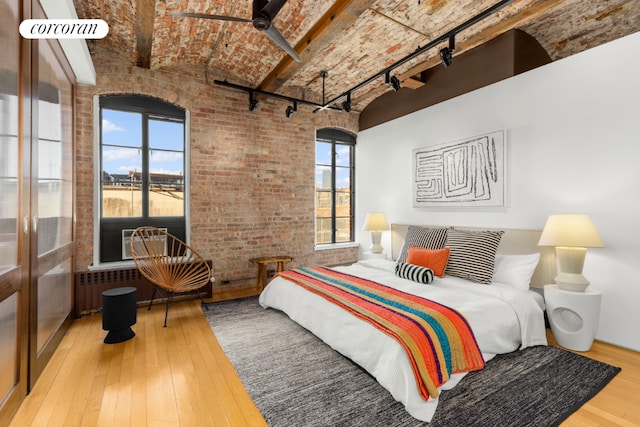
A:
x: 435, y: 259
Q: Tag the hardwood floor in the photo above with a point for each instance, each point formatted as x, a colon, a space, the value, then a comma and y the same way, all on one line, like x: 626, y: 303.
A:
x: 179, y: 376
x: 618, y: 404
x: 173, y: 376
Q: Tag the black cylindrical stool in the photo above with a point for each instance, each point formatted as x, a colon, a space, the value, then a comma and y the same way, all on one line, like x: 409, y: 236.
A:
x: 119, y: 312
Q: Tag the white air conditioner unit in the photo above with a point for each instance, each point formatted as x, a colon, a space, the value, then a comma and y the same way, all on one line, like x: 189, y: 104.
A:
x: 126, y: 243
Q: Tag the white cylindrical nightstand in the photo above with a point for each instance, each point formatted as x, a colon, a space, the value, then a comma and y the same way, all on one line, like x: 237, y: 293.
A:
x: 573, y: 316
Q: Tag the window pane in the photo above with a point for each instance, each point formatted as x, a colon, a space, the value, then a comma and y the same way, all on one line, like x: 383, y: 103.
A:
x: 343, y: 203
x: 323, y: 177
x: 121, y: 182
x: 167, y: 135
x: 343, y: 155
x: 121, y: 166
x: 166, y: 168
x: 324, y: 204
x: 121, y: 128
x: 323, y: 153
x: 166, y: 185
x: 343, y: 179
x: 323, y: 231
x: 343, y: 232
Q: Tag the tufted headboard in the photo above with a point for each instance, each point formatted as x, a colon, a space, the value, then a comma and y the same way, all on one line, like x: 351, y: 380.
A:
x: 513, y: 242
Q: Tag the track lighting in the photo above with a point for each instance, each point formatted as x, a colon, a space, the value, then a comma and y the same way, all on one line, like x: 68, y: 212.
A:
x: 446, y: 53
x: 346, y: 105
x: 291, y: 109
x: 253, y: 102
x: 393, y: 81
x: 446, y: 56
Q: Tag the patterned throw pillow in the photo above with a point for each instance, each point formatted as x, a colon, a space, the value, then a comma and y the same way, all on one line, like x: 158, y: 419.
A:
x: 414, y: 272
x: 423, y: 237
x: 473, y: 254
x: 435, y: 259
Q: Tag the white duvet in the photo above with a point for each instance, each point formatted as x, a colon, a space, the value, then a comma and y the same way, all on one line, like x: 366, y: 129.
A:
x: 503, y: 319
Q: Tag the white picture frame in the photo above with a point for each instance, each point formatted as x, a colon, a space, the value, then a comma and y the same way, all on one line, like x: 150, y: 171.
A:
x: 470, y: 172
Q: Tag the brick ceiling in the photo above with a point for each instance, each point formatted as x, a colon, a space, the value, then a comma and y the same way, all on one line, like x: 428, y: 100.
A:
x: 351, y: 39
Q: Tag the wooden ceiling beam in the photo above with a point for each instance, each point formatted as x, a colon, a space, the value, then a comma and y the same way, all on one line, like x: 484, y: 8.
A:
x: 412, y: 83
x: 145, y: 14
x: 338, y: 18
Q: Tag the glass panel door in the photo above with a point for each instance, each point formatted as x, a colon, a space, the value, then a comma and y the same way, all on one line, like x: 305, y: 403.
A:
x: 52, y: 199
x: 14, y: 260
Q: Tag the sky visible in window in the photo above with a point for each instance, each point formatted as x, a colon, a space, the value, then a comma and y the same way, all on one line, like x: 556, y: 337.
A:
x: 122, y: 143
x: 323, y: 165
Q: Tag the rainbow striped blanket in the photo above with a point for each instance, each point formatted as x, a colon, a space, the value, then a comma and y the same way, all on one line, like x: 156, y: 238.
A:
x: 438, y: 340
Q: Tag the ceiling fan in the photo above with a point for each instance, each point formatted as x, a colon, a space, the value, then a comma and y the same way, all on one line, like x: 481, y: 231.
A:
x: 264, y: 11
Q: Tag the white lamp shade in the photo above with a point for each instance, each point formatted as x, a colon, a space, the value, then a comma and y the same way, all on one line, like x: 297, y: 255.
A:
x: 570, y: 231
x: 375, y: 221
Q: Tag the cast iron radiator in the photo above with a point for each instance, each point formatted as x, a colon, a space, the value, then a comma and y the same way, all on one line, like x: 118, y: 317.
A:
x: 90, y: 285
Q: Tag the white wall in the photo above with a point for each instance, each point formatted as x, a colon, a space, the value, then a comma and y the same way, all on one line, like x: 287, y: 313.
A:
x: 573, y: 131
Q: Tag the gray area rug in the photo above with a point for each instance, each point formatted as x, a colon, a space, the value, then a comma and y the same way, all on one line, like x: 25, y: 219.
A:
x: 297, y: 380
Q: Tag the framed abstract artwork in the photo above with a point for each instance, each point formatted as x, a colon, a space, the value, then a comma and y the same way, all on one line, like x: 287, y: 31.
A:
x: 467, y: 173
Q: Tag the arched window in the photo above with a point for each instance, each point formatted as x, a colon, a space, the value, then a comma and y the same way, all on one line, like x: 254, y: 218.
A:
x: 142, y: 169
x: 335, y: 172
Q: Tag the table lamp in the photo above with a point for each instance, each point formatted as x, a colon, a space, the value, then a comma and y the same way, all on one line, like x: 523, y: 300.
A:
x: 376, y: 223
x: 571, y: 235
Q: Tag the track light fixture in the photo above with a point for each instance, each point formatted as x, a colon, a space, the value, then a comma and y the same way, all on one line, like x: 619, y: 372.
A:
x: 446, y: 56
x: 446, y: 53
x: 346, y: 105
x: 253, y: 102
x: 291, y: 109
x: 393, y: 81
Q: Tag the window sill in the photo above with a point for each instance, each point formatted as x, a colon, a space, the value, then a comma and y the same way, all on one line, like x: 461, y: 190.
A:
x: 336, y: 246
x: 112, y: 265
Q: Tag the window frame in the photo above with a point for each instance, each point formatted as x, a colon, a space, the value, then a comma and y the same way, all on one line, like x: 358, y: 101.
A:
x: 336, y: 137
x: 152, y: 109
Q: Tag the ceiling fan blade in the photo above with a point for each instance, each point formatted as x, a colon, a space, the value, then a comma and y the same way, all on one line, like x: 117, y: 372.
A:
x: 272, y: 8
x: 275, y: 35
x: 208, y: 16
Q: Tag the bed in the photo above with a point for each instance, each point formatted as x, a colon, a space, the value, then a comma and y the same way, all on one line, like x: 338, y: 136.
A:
x: 503, y: 317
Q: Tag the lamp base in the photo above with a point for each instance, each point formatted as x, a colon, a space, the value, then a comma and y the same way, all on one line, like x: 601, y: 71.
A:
x: 376, y: 237
x: 570, y: 263
x: 572, y: 282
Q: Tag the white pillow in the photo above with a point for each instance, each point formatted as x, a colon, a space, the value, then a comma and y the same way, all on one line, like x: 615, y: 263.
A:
x: 515, y: 270
x: 379, y: 263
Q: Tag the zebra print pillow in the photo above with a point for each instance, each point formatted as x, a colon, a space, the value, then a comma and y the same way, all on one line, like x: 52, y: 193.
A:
x: 473, y: 254
x: 414, y: 272
x: 423, y: 237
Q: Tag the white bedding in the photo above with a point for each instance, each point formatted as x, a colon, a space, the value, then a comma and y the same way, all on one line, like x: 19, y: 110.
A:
x: 503, y: 319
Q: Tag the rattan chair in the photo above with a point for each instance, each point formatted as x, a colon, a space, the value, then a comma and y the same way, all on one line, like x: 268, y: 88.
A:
x: 168, y: 263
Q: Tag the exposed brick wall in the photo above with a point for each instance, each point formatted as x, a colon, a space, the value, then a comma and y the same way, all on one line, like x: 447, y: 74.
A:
x: 252, y: 173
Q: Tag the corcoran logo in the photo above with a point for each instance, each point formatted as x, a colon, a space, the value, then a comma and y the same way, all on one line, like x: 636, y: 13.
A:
x: 64, y: 28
